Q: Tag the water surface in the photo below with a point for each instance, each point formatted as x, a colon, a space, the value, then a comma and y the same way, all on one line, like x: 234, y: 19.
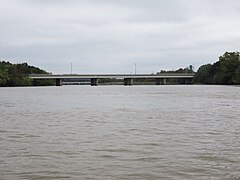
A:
x: 117, y: 132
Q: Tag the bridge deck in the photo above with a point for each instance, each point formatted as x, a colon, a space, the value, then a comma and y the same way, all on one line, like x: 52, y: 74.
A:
x: 110, y: 76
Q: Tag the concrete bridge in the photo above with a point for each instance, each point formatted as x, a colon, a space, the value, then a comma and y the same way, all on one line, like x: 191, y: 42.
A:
x: 160, y: 79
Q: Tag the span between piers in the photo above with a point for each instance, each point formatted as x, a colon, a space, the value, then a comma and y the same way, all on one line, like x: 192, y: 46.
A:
x: 160, y: 79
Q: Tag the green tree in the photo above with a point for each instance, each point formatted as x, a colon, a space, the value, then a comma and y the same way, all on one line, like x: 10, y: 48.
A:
x: 236, y: 77
x: 225, y: 71
x: 17, y: 74
x: 204, y: 75
x: 3, y: 78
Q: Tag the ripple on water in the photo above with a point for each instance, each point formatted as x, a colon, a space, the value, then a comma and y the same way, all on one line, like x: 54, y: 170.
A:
x: 142, y: 132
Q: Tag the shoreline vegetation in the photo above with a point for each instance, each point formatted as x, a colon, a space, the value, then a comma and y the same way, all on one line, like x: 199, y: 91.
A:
x: 226, y: 71
x: 14, y: 75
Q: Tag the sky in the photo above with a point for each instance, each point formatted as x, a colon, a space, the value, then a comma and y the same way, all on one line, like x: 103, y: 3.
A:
x: 114, y: 36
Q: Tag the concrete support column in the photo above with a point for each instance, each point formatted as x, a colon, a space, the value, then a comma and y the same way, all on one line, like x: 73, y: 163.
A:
x: 94, y: 81
x: 164, y: 81
x: 128, y: 81
x: 157, y: 81
x: 188, y: 81
x: 59, y: 82
x: 160, y: 81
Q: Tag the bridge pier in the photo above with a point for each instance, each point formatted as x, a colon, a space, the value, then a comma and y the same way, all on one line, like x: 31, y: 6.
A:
x: 59, y: 82
x: 128, y: 81
x: 160, y: 81
x: 188, y: 81
x: 157, y: 81
x: 164, y: 81
x: 94, y: 81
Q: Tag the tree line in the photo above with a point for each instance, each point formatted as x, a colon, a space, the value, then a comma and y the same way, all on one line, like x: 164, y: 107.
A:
x: 17, y: 75
x: 225, y: 71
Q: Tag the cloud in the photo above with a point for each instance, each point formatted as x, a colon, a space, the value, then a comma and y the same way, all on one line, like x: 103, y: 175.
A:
x: 109, y: 36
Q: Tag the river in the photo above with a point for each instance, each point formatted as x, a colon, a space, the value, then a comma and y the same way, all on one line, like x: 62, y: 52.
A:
x: 117, y: 132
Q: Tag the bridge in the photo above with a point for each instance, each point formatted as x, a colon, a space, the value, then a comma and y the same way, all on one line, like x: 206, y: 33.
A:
x: 160, y: 79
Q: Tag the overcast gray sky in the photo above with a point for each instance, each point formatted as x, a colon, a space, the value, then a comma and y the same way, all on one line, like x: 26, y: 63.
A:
x: 109, y: 36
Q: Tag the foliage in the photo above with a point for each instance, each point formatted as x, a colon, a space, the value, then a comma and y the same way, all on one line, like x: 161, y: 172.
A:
x: 178, y: 80
x: 225, y: 71
x: 180, y: 70
x: 17, y: 74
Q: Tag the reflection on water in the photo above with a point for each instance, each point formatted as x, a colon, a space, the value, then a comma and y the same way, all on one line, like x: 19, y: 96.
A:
x: 116, y: 132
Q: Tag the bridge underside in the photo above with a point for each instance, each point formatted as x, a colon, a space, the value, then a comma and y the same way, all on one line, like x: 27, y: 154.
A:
x: 130, y: 81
